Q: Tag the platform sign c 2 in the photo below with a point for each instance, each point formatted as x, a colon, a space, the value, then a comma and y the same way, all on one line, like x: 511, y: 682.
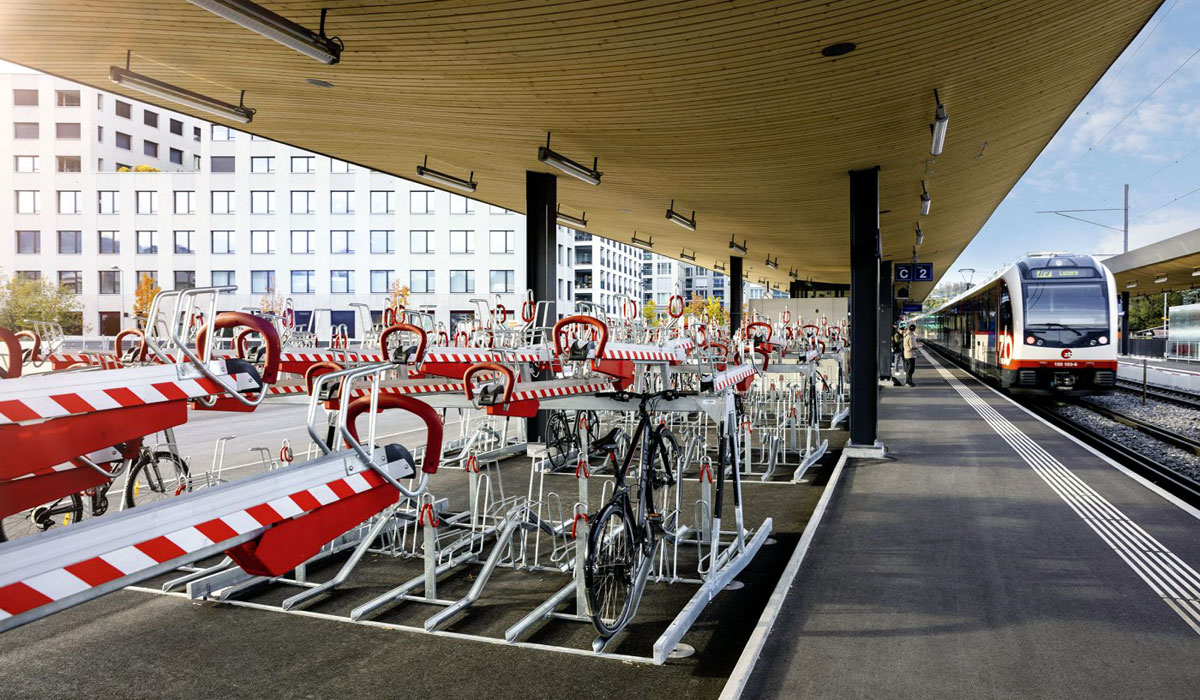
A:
x: 913, y: 272
x: 912, y: 308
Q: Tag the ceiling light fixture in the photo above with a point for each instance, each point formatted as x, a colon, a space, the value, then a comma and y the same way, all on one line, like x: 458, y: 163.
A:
x: 739, y: 248
x: 676, y: 217
x: 1130, y: 285
x: 574, y: 222
x: 568, y: 166
x: 647, y: 244
x: 773, y: 264
x: 920, y: 235
x: 318, y: 83
x: 262, y: 21
x: 938, y: 127
x: 458, y: 183
x: 142, y: 83
x: 925, y: 200
x: 1196, y: 272
x: 684, y: 255
x: 1160, y: 279
x: 793, y: 273
x: 719, y: 266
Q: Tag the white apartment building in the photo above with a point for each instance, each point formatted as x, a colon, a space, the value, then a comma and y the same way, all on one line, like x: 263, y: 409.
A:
x: 662, y: 278
x: 606, y: 271
x: 232, y: 209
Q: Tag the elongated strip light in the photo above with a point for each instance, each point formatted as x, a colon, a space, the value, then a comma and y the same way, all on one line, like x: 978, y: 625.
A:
x: 556, y: 160
x: 685, y: 255
x: 262, y: 21
x: 143, y: 83
x: 575, y: 222
x: 1160, y: 279
x: 676, y: 217
x: 647, y: 244
x: 739, y: 248
x: 940, y: 122
x: 920, y: 235
x: 773, y: 264
x: 925, y: 200
x: 1196, y: 272
x: 467, y: 185
x: 793, y: 273
x: 719, y: 266
x: 1131, y: 285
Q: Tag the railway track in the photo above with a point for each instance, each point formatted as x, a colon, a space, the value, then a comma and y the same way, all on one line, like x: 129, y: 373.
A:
x: 1179, y: 398
x: 1176, y: 483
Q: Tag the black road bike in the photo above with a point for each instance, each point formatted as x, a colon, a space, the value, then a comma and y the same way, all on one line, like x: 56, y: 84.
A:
x: 625, y: 534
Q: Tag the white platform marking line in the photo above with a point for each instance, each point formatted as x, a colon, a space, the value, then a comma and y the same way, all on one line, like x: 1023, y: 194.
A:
x: 1166, y: 574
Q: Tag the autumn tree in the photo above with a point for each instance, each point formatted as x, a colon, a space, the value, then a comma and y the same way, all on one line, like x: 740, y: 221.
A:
x: 38, y: 300
x: 650, y: 313
x: 143, y: 296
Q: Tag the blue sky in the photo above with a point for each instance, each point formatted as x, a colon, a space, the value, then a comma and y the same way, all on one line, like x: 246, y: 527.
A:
x: 1156, y: 150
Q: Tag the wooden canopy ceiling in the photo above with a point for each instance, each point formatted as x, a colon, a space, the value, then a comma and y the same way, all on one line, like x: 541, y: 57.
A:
x: 1177, y: 258
x: 726, y: 106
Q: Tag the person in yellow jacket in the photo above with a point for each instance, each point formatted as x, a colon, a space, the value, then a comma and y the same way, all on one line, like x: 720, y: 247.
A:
x: 910, y: 353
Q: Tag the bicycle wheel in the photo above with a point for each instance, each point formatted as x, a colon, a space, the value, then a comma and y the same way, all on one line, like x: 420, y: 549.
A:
x: 558, y: 439
x: 612, y: 558
x: 63, y: 511
x: 156, y: 477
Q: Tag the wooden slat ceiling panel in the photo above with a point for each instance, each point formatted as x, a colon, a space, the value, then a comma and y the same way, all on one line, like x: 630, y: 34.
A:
x: 726, y: 106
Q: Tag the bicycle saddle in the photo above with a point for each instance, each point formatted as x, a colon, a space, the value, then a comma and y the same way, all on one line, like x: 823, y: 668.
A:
x: 608, y: 443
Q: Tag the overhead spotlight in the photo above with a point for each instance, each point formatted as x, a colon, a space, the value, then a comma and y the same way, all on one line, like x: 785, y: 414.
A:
x: 281, y: 29
x: 739, y: 248
x: 676, y: 217
x: 579, y: 223
x: 920, y: 235
x: 684, y: 255
x: 136, y: 81
x: 647, y: 244
x: 940, y: 121
x: 1196, y: 272
x: 589, y: 175
x: 467, y: 185
x: 1131, y: 285
x: 719, y: 266
x: 925, y: 200
x: 793, y: 273
x: 773, y: 264
x: 762, y: 281
x: 1160, y: 279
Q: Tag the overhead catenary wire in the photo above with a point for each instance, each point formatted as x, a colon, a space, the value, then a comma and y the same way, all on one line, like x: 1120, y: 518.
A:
x: 1176, y: 199
x: 1142, y: 101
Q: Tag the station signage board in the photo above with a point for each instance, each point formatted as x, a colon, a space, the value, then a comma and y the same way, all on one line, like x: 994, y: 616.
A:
x: 913, y: 272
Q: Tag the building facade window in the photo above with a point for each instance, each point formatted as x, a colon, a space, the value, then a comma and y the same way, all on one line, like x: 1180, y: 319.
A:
x: 223, y: 278
x: 341, y: 202
x: 383, y: 241
x: 147, y: 202
x: 420, y: 202
x: 29, y: 201
x: 68, y: 130
x: 341, y: 281
x: 176, y: 156
x: 262, y: 281
x: 108, y: 202
x: 26, y: 130
x: 185, y: 279
x: 185, y: 202
x: 421, y: 282
x: 383, y: 202
x: 124, y: 109
x: 341, y: 242
x: 262, y: 202
x: 70, y: 242
x: 25, y: 164
x: 183, y: 243
x: 72, y: 280
x: 303, y: 243
x: 462, y: 281
x: 25, y: 98
x: 340, y: 166
x: 502, y: 281
x: 302, y: 201
x: 109, y: 244
x: 177, y: 127
x: 149, y: 148
x: 222, y: 243
x: 222, y: 202
x: 262, y: 242
x: 110, y: 281
x: 262, y: 164
x: 461, y: 205
x: 66, y: 98
x: 221, y: 133
x: 462, y: 241
x: 29, y: 275
x: 68, y: 164
x: 124, y: 141
x: 381, y: 281
x: 150, y: 118
x: 29, y: 242
x: 147, y: 242
x: 304, y: 281
x: 502, y: 242
x: 420, y: 242
x: 223, y: 164
x: 303, y: 164
x: 70, y: 201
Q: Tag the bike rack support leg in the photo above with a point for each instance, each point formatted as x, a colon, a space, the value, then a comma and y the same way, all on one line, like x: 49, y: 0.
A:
x: 443, y: 617
x: 524, y: 627
x: 343, y: 573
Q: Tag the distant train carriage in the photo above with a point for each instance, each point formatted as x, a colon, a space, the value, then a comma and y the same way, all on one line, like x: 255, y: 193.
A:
x: 1047, y: 322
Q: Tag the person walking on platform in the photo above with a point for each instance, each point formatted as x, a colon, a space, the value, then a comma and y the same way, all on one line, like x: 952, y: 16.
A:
x: 910, y: 353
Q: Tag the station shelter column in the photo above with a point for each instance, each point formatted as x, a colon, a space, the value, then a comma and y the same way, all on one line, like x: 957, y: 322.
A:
x: 1123, y: 325
x: 541, y: 271
x: 735, y: 294
x: 886, y: 318
x: 864, y: 307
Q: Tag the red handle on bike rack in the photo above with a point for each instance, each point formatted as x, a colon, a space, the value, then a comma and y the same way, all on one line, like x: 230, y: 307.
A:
x: 422, y: 410
x: 700, y: 335
x: 510, y: 379
x: 759, y: 324
x: 398, y: 327
x: 14, y: 353
x: 138, y: 333
x: 317, y: 369
x: 672, y: 310
x: 579, y: 319
x: 36, y: 352
x: 389, y: 316
x: 502, y: 312
x: 237, y: 319
x: 528, y: 311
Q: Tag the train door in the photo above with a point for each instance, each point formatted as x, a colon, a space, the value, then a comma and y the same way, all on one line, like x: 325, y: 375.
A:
x: 1004, y: 329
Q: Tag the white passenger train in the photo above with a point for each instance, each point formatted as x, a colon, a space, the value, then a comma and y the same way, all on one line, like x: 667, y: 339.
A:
x: 1048, y: 322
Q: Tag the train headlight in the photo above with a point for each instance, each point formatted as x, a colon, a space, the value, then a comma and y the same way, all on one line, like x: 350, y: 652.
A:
x: 1030, y: 340
x: 1040, y: 342
x: 1103, y: 340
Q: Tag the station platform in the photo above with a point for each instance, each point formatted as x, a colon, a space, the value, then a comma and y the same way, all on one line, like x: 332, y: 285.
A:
x: 1169, y: 374
x: 989, y: 556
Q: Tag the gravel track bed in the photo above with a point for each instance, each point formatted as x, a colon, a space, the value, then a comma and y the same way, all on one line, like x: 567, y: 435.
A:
x: 1164, y: 414
x: 1182, y: 462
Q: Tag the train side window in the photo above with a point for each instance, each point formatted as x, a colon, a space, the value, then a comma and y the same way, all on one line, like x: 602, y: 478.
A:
x: 1006, y: 316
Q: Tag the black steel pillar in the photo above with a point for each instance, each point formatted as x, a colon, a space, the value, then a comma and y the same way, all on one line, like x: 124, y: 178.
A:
x: 1123, y: 325
x: 541, y: 239
x: 864, y: 306
x: 736, y: 284
x: 794, y: 289
x: 885, y: 318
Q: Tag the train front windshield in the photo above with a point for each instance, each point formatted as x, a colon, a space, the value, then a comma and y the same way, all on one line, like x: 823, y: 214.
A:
x: 1073, y: 305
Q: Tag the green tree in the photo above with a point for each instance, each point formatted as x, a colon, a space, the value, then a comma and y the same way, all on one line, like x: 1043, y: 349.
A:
x: 650, y: 313
x: 38, y: 300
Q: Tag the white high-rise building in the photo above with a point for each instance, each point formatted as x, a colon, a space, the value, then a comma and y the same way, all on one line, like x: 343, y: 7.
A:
x: 662, y: 278
x: 606, y: 271
x: 231, y: 208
